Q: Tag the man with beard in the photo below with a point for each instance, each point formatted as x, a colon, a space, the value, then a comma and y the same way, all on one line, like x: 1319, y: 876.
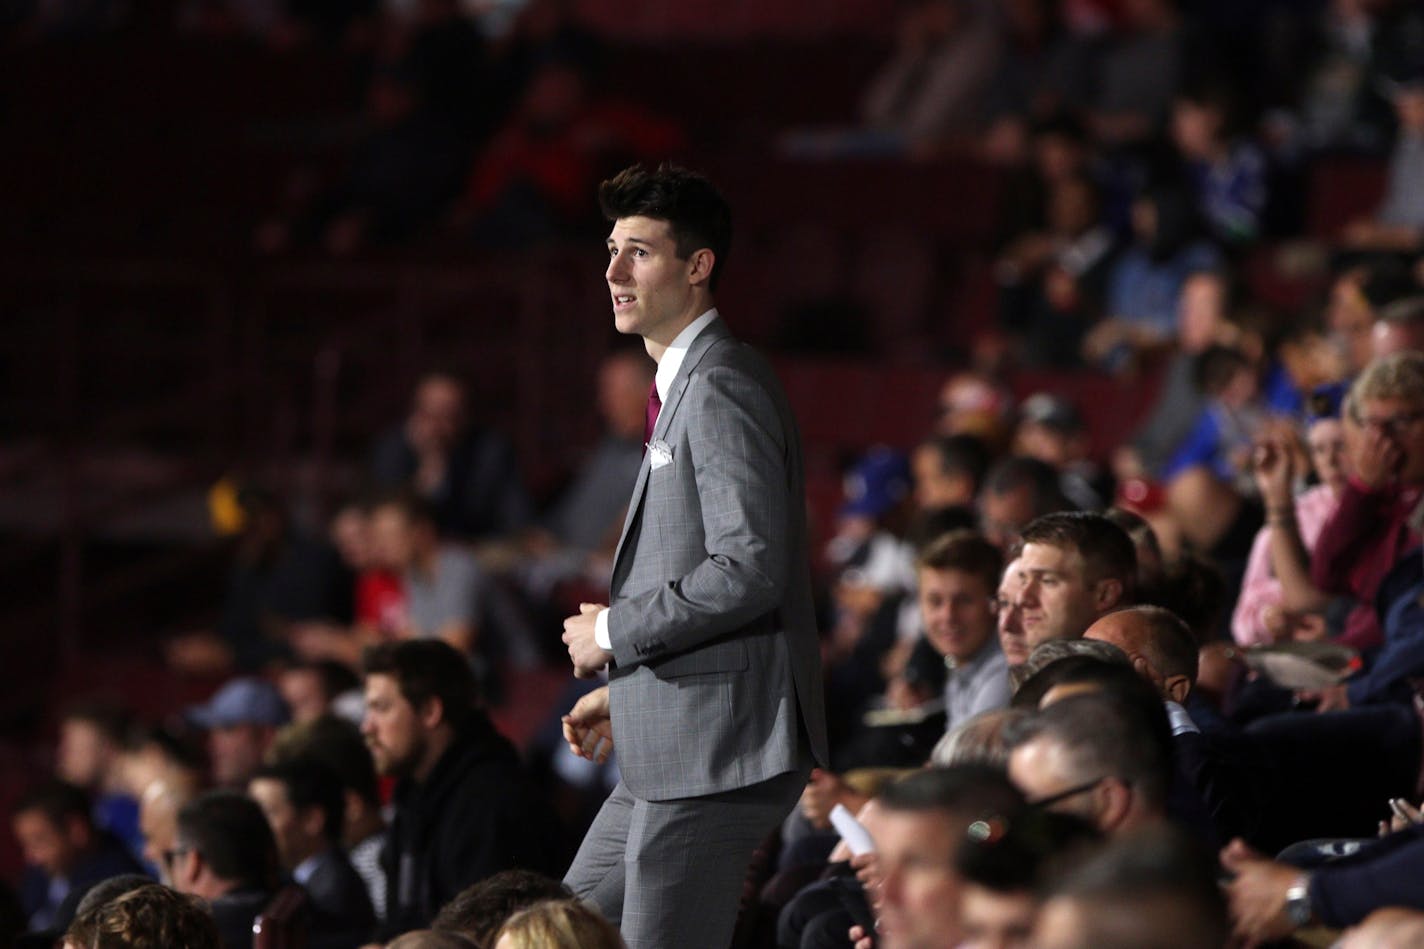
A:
x: 463, y: 808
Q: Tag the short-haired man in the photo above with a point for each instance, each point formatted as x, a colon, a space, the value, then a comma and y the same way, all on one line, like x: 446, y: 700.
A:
x: 715, y: 694
x: 64, y: 852
x: 1362, y: 540
x: 1076, y: 567
x: 923, y: 820
x: 1015, y: 492
x: 303, y: 803
x: 470, y: 475
x: 948, y: 470
x: 1133, y: 893
x: 338, y: 744
x: 957, y: 576
x: 158, y: 821
x: 1097, y: 756
x: 1008, y: 605
x: 226, y: 855
x: 463, y: 808
x: 242, y: 719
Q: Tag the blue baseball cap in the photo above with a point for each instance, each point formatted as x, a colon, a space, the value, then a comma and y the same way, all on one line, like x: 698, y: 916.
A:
x: 877, y: 483
x: 247, y: 701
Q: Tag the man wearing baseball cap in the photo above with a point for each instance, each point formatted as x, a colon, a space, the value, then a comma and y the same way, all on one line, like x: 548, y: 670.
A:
x: 241, y: 719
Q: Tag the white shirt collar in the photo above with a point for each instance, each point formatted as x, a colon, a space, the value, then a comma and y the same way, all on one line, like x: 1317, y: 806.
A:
x: 306, y: 868
x: 677, y: 352
x: 1180, y: 721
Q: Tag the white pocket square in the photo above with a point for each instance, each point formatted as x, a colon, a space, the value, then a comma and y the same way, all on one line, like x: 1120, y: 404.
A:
x: 659, y: 454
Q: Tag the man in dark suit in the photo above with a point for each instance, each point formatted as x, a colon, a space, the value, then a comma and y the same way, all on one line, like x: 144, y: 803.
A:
x: 224, y: 854
x: 715, y: 694
x: 304, y: 805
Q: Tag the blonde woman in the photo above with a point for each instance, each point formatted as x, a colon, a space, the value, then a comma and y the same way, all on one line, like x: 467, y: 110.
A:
x: 558, y: 924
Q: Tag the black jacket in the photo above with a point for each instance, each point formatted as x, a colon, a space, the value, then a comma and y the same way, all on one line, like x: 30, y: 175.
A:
x: 475, y: 816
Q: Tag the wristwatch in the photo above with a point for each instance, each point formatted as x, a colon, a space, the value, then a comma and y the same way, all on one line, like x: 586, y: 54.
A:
x: 1298, y: 909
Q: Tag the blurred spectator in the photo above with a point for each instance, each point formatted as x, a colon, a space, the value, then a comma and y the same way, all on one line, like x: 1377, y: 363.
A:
x: 380, y: 599
x: 303, y: 802
x: 149, y: 917
x: 1051, y: 430
x: 1209, y: 488
x: 463, y: 810
x: 577, y: 538
x: 480, y: 910
x: 1370, y: 529
x: 279, y: 577
x: 874, y: 565
x: 241, y: 719
x: 1018, y: 490
x: 227, y: 857
x: 974, y: 403
x: 400, y: 175
x: 1358, y: 295
x: 1008, y: 607
x: 1137, y: 71
x: 1042, y: 70
x: 1076, y: 566
x: 1134, y: 892
x: 1277, y: 600
x: 340, y: 747
x: 158, y: 818
x: 64, y: 853
x: 1397, y: 226
x: 1053, y: 281
x: 558, y: 924
x: 924, y: 822
x: 932, y: 90
x: 1227, y: 172
x: 536, y: 178
x: 1098, y: 756
x: 92, y: 742
x: 469, y: 475
x: 312, y: 689
x: 948, y: 470
x: 1202, y: 321
x: 445, y: 588
x: 1003, y: 864
x: 1146, y: 280
x: 1325, y: 72
x: 1400, y: 327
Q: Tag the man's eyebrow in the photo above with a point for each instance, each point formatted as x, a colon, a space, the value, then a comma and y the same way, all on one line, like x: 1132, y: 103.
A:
x: 630, y: 240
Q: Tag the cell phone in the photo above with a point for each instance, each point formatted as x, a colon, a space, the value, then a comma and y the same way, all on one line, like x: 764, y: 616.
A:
x: 852, y: 831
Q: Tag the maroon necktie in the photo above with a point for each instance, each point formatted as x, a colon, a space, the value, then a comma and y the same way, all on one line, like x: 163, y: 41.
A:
x: 655, y: 405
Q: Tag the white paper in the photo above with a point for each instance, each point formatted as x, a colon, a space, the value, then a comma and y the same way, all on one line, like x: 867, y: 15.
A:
x: 852, y: 831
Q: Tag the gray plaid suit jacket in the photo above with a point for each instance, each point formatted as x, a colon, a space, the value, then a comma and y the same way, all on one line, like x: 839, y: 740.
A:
x: 717, y: 667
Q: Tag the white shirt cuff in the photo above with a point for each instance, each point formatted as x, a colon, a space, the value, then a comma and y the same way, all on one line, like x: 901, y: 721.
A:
x: 600, y: 630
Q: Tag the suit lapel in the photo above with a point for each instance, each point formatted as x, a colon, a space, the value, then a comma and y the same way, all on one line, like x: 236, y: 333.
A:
x: 715, y: 331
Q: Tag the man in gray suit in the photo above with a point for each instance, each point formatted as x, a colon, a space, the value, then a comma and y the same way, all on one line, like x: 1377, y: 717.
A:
x: 715, y: 694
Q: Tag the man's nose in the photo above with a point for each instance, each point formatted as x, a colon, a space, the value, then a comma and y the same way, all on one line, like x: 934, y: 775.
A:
x: 617, y: 269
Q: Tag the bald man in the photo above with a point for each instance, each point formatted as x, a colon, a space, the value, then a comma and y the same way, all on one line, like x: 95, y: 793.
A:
x: 158, y: 822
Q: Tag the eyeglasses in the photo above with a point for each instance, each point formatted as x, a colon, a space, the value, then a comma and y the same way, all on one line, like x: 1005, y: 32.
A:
x: 170, y: 855
x: 1390, y: 424
x: 1061, y: 796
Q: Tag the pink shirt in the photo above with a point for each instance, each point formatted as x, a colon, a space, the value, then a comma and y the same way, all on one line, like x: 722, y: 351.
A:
x: 1259, y: 587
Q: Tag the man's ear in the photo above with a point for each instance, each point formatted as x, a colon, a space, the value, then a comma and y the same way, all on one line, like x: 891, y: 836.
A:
x: 1114, y: 802
x: 1178, y: 687
x: 699, y: 266
x: 1107, y: 594
x: 432, y: 713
